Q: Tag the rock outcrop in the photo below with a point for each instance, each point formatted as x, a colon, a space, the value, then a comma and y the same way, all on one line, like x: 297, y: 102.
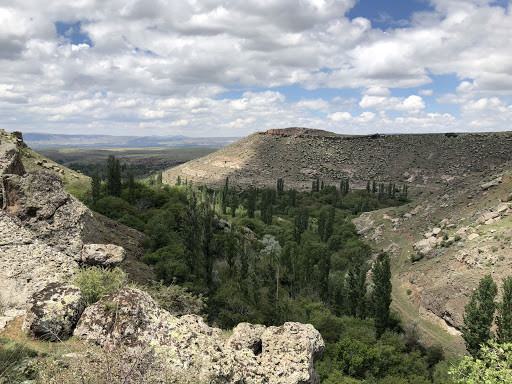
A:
x: 43, y: 230
x: 108, y: 255
x: 253, y: 354
x: 53, y: 312
x: 10, y: 161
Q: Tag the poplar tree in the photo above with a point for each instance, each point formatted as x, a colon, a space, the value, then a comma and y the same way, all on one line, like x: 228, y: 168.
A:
x: 131, y: 189
x: 251, y: 202
x: 113, y: 176
x: 280, y: 187
x: 381, y: 293
x: 95, y: 187
x: 479, y: 315
x: 504, y: 317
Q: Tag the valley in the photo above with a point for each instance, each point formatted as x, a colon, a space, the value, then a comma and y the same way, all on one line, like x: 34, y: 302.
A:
x: 286, y: 226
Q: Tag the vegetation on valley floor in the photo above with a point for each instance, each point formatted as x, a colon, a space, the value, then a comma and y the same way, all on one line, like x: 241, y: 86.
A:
x: 274, y: 255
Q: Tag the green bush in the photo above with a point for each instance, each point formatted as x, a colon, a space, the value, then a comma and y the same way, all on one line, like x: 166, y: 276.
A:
x: 114, y: 207
x: 417, y: 257
x: 176, y: 300
x: 96, y: 282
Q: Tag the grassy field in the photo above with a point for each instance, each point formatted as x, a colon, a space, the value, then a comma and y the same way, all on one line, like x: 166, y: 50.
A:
x: 141, y: 162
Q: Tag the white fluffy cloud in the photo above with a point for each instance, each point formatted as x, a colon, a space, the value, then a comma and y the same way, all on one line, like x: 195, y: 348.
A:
x: 158, y: 67
x: 411, y: 104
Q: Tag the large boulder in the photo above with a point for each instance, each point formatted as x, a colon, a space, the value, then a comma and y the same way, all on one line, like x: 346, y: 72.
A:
x: 248, y: 336
x: 35, y: 196
x: 289, y: 353
x: 40, y: 203
x: 53, y: 312
x: 253, y: 354
x: 10, y: 160
x: 108, y: 255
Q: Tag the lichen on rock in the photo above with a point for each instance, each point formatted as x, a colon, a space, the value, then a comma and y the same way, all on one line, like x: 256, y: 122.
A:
x: 253, y: 354
x: 53, y: 312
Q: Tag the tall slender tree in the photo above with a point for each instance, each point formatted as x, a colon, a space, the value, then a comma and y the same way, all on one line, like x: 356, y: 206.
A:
x: 95, y: 187
x: 114, y: 186
x: 504, y: 317
x: 479, y: 315
x: 381, y: 293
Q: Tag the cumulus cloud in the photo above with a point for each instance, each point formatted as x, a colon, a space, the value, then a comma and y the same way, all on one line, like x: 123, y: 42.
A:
x: 411, y: 104
x: 167, y: 66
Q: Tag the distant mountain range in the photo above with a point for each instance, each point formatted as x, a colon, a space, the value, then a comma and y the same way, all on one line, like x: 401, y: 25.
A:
x: 51, y: 140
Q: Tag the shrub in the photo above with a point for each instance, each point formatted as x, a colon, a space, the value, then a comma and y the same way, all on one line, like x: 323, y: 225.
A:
x: 417, y: 257
x: 176, y: 300
x: 96, y: 282
x: 114, y: 207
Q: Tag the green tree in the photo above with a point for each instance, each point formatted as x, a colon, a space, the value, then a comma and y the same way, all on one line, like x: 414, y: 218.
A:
x: 252, y: 196
x: 479, y: 315
x: 321, y: 225
x: 113, y: 176
x: 95, y: 187
x: 280, y: 187
x: 504, y: 317
x: 381, y: 293
x: 131, y: 189
x: 494, y: 365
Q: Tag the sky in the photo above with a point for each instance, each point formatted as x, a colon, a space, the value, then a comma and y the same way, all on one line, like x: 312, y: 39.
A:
x: 231, y: 68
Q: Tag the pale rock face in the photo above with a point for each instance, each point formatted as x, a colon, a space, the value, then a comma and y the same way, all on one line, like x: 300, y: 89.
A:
x: 131, y: 317
x: 40, y: 203
x: 492, y: 183
x: 41, y: 231
x: 10, y: 161
x: 53, y: 312
x: 247, y: 336
x: 108, y: 255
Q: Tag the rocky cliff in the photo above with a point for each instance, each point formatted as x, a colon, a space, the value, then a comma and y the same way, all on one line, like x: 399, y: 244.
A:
x: 298, y: 155
x: 46, y: 235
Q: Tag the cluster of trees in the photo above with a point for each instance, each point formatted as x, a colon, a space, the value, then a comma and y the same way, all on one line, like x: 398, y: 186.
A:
x: 271, y: 255
x: 479, y: 315
x: 490, y: 359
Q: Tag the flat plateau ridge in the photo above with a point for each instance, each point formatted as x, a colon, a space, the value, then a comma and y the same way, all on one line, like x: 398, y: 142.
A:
x: 299, y: 155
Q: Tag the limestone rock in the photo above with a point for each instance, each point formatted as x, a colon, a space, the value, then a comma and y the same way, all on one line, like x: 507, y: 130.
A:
x: 33, y: 196
x: 10, y: 160
x: 502, y: 208
x: 290, y: 351
x: 108, y: 255
x: 53, y: 312
x: 436, y: 232
x: 41, y: 204
x: 132, y: 318
x: 248, y: 336
x: 492, y: 183
x: 488, y: 216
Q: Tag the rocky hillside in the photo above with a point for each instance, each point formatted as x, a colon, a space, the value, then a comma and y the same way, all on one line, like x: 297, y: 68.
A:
x: 47, y: 235
x: 298, y: 155
x: 456, y: 229
x: 442, y: 244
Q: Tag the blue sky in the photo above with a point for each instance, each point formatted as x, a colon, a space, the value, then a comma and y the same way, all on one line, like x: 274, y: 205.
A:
x: 222, y: 68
